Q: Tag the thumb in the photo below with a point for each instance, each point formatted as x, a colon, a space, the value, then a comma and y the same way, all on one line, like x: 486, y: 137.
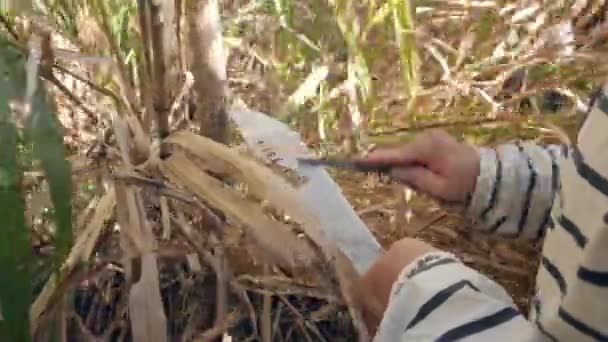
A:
x: 420, y: 179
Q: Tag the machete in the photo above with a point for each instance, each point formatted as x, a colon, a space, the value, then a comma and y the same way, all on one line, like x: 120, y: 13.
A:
x: 273, y: 141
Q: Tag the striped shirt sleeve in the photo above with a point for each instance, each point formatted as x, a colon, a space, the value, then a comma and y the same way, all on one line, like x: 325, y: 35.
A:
x: 438, y: 298
x: 516, y: 188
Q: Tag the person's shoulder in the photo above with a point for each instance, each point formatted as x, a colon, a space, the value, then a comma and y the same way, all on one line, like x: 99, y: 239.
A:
x: 597, y: 113
x: 589, y: 150
x: 592, y: 135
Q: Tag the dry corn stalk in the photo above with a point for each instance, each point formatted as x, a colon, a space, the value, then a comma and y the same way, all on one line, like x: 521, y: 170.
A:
x: 81, y: 252
x: 274, y: 239
x: 147, y: 316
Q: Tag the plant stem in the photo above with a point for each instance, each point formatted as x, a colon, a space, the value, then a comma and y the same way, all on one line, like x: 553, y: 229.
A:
x: 159, y: 76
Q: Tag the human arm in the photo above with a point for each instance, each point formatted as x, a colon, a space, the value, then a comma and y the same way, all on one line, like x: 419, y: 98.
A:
x: 454, y: 172
x: 515, y: 188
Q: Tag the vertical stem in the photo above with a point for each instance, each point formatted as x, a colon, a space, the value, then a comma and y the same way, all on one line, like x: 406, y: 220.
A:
x: 179, y: 14
x: 144, y: 68
x: 207, y: 61
x: 144, y: 24
x: 161, y: 107
x: 267, y: 313
x: 404, y: 32
x: 222, y: 287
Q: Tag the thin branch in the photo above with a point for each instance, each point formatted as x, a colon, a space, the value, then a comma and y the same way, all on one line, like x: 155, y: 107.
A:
x: 304, y: 321
x: 102, y: 90
x: 50, y: 77
x: 194, y: 239
x: 267, y: 313
x: 160, y: 187
x: 67, y: 92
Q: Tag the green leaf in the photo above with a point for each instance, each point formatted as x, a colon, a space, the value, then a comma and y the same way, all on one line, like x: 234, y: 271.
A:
x: 404, y: 27
x: 15, y: 252
x: 42, y: 129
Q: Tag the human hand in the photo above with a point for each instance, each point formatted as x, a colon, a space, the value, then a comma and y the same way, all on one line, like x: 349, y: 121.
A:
x: 434, y: 163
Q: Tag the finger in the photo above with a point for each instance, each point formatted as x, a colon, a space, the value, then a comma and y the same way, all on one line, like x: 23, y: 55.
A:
x: 421, y: 179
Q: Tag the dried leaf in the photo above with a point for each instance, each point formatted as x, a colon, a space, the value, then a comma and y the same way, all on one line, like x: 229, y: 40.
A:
x: 274, y: 238
x: 80, y: 252
x: 133, y: 238
x: 262, y: 182
x: 121, y: 130
x: 148, y: 320
x: 103, y: 212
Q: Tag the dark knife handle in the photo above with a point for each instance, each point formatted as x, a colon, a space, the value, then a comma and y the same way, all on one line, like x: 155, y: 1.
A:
x: 382, y: 169
x: 348, y: 164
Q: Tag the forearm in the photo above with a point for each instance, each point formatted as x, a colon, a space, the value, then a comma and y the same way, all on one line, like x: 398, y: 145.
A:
x: 516, y: 188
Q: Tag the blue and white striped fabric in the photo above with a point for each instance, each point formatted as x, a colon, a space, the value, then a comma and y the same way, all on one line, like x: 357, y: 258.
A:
x: 524, y: 191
